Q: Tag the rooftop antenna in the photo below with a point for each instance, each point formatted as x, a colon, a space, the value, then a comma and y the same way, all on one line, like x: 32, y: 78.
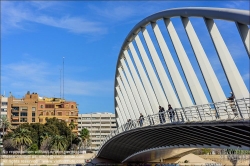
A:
x: 60, y: 83
x: 63, y: 79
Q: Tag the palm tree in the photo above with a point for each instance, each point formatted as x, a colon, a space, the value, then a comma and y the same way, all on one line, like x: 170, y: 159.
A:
x: 59, y: 143
x: 44, y: 137
x: 4, y: 124
x: 22, y: 138
x: 84, y: 135
x: 71, y: 126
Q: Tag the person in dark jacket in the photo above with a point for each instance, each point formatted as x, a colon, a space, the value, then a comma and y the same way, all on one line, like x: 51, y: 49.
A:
x: 141, y: 119
x: 162, y: 114
x: 171, y: 113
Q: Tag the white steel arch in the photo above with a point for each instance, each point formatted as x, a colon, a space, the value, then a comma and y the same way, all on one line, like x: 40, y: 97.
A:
x: 143, y: 89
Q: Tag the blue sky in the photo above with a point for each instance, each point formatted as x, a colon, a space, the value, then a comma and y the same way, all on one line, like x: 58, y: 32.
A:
x: 36, y: 35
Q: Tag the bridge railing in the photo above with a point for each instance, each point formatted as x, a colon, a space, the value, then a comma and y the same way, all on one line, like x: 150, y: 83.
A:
x: 221, y: 111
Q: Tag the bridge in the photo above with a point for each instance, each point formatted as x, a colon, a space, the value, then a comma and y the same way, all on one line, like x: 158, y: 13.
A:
x: 150, y: 75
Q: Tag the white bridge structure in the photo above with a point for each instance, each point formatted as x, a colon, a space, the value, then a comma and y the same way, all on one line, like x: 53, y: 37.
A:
x: 154, y: 70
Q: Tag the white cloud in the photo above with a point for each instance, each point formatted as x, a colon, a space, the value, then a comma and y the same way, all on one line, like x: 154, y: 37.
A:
x: 43, y: 79
x: 16, y: 15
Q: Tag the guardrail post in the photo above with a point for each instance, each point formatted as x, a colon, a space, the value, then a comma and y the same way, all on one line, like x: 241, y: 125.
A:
x: 198, y: 113
x: 236, y: 103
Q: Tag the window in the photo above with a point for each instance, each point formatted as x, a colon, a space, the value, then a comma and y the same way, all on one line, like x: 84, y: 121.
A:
x: 59, y: 113
x: 49, y: 106
x: 41, y: 106
x: 15, y: 108
x: 41, y: 113
x: 105, y: 117
x: 24, y: 108
x: 72, y: 106
x: 47, y: 114
x: 33, y: 108
x: 4, y: 103
x: 33, y: 114
x: 24, y: 114
x: 33, y: 119
x: 23, y: 120
x: 15, y: 114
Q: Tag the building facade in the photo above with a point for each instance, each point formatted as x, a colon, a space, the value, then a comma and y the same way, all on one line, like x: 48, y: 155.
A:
x: 59, y: 108
x: 3, y: 113
x: 4, y: 105
x: 99, y: 125
x: 22, y: 110
x: 34, y: 109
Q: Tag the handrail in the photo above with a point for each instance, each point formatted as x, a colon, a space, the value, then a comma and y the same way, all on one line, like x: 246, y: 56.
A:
x: 229, y: 110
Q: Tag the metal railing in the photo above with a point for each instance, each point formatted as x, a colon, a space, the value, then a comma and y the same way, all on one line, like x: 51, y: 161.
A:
x: 221, y: 111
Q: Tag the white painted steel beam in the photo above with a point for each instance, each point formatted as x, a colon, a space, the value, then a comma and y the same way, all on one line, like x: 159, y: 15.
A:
x: 123, y: 104
x: 233, y: 76
x: 173, y: 71
x: 245, y: 36
x: 134, y: 90
x: 162, y: 100
x: 169, y: 90
x: 130, y: 109
x: 211, y: 80
x: 147, y: 86
x: 148, y: 105
x: 120, y: 118
x: 193, y: 82
x: 136, y: 111
x: 120, y: 108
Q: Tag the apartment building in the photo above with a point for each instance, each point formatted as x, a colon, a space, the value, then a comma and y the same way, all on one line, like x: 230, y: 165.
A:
x: 4, y: 105
x: 59, y: 108
x: 22, y: 110
x: 99, y: 125
x: 34, y: 109
x: 3, y: 113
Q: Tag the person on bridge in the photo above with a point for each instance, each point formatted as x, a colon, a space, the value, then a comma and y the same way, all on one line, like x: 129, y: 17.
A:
x: 162, y: 114
x: 171, y: 113
x: 141, y: 119
x: 232, y: 104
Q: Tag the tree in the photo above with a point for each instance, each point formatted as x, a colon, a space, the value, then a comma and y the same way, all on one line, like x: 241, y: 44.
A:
x: 46, y: 145
x: 59, y: 143
x: 4, y: 124
x: 84, y: 135
x: 22, y: 138
x: 71, y: 126
x: 8, y: 145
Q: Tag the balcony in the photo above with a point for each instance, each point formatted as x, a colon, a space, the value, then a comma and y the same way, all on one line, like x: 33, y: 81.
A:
x: 14, y: 110
x: 72, y: 115
x: 14, y: 117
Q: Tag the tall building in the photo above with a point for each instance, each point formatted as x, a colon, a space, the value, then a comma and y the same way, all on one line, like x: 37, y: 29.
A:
x: 99, y: 125
x: 34, y: 109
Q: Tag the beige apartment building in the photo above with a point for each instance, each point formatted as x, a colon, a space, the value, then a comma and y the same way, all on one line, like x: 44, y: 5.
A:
x: 34, y: 109
x: 59, y: 108
x: 99, y: 125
